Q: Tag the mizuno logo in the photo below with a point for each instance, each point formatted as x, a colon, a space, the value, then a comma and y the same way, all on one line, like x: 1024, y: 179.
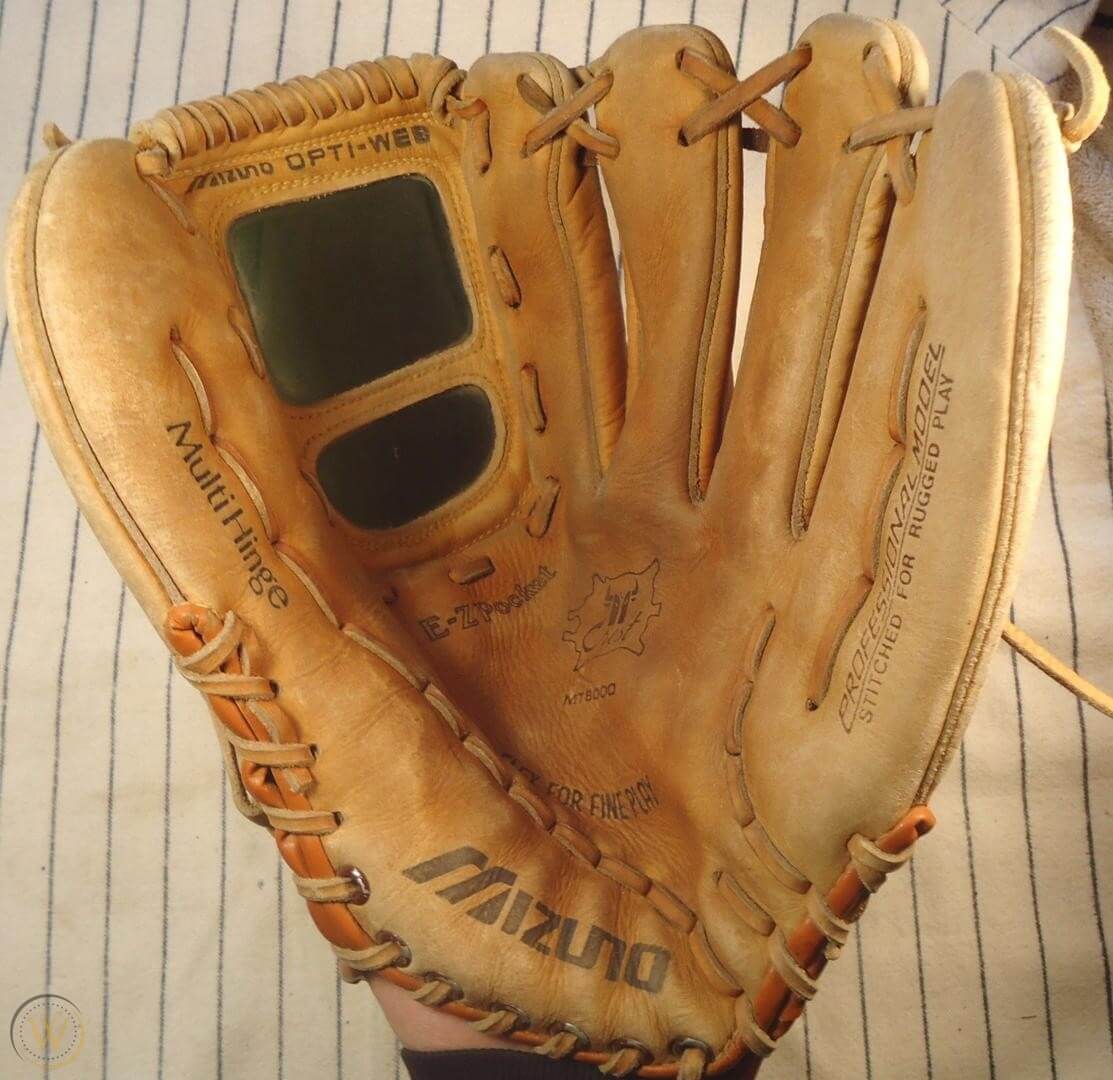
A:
x: 313, y: 157
x: 500, y: 901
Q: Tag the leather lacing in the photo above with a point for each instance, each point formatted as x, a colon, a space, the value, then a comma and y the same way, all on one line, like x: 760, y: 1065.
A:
x: 217, y: 661
x: 220, y: 667
x: 176, y: 134
x: 898, y: 123
x: 734, y: 97
x: 627, y: 1056
x: 503, y: 1019
x: 568, y: 118
x: 571, y: 117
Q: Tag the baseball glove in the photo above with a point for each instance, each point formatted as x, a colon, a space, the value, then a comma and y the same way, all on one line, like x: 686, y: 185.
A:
x: 587, y: 692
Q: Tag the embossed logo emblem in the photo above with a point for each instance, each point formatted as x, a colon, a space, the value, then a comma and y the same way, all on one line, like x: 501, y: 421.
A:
x: 47, y: 1030
x: 614, y: 615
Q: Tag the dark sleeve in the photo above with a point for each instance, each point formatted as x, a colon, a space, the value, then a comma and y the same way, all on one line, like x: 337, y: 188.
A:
x: 509, y: 1065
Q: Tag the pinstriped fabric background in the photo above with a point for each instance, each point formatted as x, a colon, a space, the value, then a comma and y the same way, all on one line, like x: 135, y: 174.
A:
x: 132, y: 889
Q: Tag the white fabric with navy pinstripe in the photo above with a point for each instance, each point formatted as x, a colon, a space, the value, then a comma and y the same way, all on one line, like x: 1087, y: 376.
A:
x: 130, y: 886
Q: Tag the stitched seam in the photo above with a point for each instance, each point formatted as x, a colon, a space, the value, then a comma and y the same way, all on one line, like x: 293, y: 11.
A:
x: 35, y: 303
x: 582, y: 344
x: 776, y: 863
x: 710, y: 317
x: 1003, y: 547
x: 835, y: 314
x: 712, y: 312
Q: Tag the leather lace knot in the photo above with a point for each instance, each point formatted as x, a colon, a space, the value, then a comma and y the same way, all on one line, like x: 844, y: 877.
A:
x: 898, y: 123
x: 736, y: 96
x: 568, y: 118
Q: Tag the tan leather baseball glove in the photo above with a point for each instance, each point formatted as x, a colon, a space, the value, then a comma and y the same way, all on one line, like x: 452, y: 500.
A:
x: 587, y: 695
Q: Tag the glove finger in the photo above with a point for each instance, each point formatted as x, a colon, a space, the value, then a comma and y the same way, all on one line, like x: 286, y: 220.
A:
x: 541, y: 221
x: 678, y: 212
x: 825, y: 217
x: 913, y: 548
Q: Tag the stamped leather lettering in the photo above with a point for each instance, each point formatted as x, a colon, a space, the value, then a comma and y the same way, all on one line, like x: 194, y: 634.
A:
x: 541, y: 927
